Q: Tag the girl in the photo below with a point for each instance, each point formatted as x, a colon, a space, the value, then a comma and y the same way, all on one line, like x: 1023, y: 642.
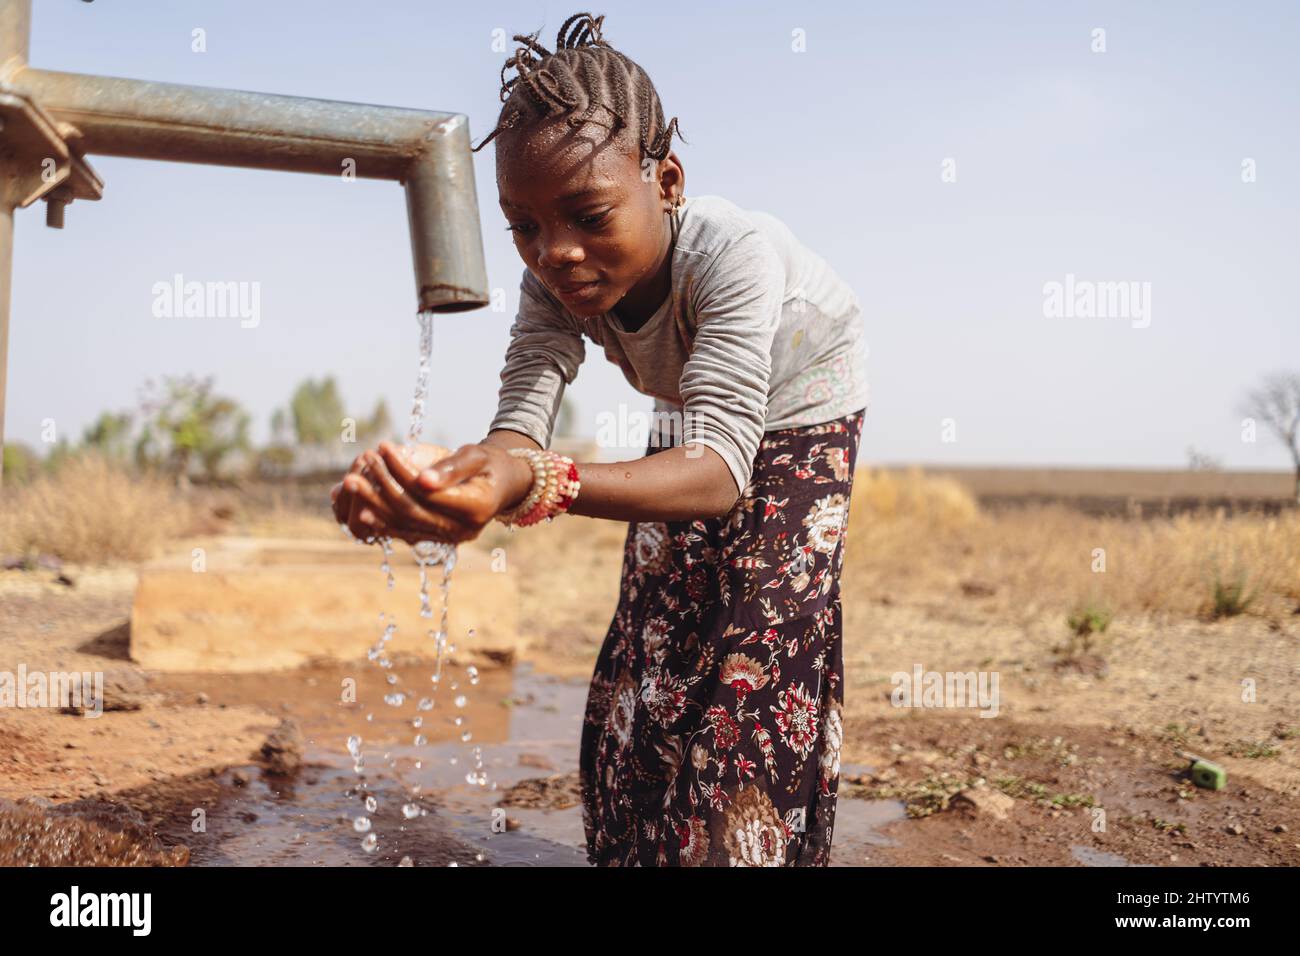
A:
x: 712, y: 728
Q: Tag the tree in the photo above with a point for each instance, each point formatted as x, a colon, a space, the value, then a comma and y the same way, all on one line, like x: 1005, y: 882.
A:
x: 185, y: 422
x: 377, y: 427
x: 110, y: 435
x: 1277, y: 404
x: 317, y: 412
x: 21, y: 463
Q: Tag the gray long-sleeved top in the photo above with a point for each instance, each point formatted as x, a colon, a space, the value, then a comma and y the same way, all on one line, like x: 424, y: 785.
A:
x: 758, y: 333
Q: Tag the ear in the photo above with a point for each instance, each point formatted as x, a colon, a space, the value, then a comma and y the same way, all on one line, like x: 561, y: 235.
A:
x: 672, y: 178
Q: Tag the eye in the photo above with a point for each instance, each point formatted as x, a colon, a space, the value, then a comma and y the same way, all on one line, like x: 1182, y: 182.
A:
x: 595, y: 219
x: 517, y: 228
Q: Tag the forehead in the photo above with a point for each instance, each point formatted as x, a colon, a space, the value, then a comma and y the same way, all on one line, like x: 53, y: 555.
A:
x: 556, y: 163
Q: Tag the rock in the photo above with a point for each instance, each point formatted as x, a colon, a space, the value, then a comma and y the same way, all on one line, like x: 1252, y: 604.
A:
x: 83, y: 833
x: 535, y: 760
x: 1280, y: 828
x: 240, y: 778
x: 556, y: 792
x: 124, y: 689
x: 1235, y: 829
x: 982, y: 802
x: 282, y: 751
x: 202, y: 698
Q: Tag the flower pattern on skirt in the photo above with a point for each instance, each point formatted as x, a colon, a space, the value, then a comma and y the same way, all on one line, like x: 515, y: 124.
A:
x: 712, y: 730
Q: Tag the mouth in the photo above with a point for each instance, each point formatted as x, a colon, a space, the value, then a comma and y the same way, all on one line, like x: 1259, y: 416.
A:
x: 577, y: 289
x: 570, y: 288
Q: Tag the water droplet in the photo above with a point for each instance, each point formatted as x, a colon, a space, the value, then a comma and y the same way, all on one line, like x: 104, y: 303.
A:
x: 369, y: 843
x: 361, y: 824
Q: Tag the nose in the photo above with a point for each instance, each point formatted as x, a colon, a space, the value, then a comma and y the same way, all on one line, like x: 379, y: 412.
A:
x: 560, y: 250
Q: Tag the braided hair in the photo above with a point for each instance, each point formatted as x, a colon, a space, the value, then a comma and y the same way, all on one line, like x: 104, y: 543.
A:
x: 585, y: 76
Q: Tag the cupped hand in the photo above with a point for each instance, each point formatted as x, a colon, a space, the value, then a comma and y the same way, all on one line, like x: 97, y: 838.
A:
x: 353, y: 499
x: 427, y: 493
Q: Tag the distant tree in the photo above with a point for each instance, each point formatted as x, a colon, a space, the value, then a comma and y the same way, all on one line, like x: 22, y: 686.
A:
x: 21, y: 463
x: 1198, y: 461
x: 377, y: 427
x: 110, y: 435
x: 317, y: 411
x: 185, y: 423
x: 1277, y: 404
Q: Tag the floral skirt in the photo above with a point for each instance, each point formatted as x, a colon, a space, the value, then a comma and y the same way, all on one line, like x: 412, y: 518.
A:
x: 712, y: 729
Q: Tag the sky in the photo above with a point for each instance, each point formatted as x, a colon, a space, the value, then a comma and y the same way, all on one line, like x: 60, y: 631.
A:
x: 950, y: 160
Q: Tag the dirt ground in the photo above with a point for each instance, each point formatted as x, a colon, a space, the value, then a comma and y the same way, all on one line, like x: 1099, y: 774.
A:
x: 1079, y: 767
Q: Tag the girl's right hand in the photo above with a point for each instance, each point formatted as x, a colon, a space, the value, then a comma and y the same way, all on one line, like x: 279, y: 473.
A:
x: 354, y: 499
x: 455, y: 500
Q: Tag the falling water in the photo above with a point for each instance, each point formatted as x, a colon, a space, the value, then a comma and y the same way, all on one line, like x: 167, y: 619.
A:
x: 427, y: 554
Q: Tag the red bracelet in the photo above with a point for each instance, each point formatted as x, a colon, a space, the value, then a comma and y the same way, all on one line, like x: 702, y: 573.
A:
x: 555, y: 486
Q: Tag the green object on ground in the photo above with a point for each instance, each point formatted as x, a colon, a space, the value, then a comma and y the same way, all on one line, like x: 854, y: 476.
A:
x: 1205, y: 773
x: 1209, y: 775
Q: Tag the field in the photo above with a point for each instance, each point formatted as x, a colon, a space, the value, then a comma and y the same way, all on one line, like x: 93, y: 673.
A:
x: 1127, y: 616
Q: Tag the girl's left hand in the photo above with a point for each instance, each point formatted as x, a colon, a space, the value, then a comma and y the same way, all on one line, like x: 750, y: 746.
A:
x: 451, y: 502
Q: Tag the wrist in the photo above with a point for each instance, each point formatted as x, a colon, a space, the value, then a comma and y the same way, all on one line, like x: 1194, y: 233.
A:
x: 519, y: 482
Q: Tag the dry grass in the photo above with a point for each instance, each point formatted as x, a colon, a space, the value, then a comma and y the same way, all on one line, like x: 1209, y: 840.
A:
x: 924, y: 536
x: 91, y: 511
x: 912, y: 536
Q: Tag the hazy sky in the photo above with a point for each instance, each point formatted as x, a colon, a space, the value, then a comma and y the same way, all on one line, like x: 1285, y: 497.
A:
x: 1117, y: 166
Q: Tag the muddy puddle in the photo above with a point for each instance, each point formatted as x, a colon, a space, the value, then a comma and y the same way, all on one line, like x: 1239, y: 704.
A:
x: 528, y: 725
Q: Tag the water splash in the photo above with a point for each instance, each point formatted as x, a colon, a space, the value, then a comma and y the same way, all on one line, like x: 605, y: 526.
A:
x: 427, y: 554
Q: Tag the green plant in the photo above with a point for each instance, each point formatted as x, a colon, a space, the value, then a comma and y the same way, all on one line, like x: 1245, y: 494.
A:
x: 1229, y: 597
x: 1252, y: 749
x: 1086, y: 625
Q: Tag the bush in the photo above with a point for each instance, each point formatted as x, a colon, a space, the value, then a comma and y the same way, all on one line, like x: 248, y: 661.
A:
x: 91, y: 510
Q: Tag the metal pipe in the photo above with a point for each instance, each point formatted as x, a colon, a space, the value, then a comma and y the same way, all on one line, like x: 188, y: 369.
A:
x: 15, y: 32
x: 195, y: 124
x: 428, y: 152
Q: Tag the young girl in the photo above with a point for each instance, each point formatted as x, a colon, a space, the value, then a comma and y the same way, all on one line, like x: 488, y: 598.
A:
x: 712, y: 729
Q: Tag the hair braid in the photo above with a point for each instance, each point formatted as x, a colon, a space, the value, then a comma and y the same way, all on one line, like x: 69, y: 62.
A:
x: 583, y: 76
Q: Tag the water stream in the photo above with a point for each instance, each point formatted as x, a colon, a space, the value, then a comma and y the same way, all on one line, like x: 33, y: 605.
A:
x: 428, y: 554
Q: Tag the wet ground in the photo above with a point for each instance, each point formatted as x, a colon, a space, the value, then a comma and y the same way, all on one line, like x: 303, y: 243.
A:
x: 183, y: 769
x: 526, y: 814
